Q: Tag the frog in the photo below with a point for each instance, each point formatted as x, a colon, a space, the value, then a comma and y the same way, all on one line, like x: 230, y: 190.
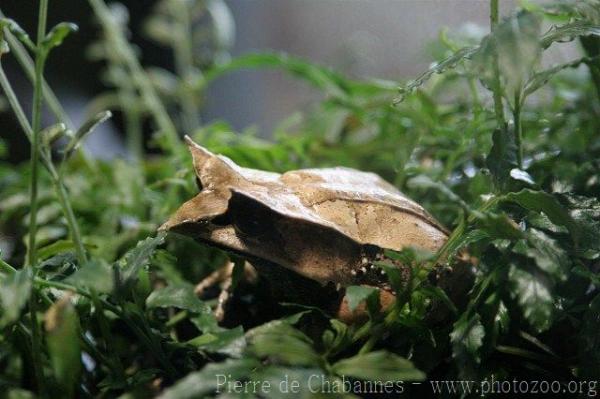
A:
x: 311, y: 232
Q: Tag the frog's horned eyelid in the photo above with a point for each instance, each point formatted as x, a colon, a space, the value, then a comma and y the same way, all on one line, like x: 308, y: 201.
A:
x: 199, y: 154
x: 211, y: 169
x: 195, y: 147
x: 191, y: 143
x: 188, y: 140
x: 203, y: 207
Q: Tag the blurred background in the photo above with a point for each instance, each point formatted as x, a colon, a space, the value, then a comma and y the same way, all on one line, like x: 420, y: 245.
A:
x: 366, y: 39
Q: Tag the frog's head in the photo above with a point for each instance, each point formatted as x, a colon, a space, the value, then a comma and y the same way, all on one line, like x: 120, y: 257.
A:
x: 252, y: 213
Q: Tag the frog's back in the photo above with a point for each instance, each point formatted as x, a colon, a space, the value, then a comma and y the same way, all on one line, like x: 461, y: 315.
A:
x: 366, y: 208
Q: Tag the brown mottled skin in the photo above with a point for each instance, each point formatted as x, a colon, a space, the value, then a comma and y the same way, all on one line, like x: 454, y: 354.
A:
x: 310, y: 232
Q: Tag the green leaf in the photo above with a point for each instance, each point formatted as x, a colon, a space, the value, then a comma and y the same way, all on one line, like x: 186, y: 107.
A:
x: 323, y: 78
x: 570, y: 32
x: 179, y: 296
x: 212, y: 378
x: 230, y: 342
x: 546, y: 253
x: 59, y: 263
x: 465, y: 240
x: 498, y: 225
x: 495, y: 319
x: 275, y: 324
x: 539, y: 79
x: 540, y: 201
x: 467, y: 340
x: 95, y: 275
x: 62, y: 338
x: 584, y: 272
x: 518, y: 48
x: 85, y: 129
x: 4, y: 49
x: 282, y: 343
x: 355, y: 294
x: 167, y: 263
x: 57, y: 35
x: 515, y: 46
x: 55, y: 248
x: 52, y: 134
x: 503, y: 155
x: 14, y: 203
x: 14, y: 28
x: 532, y: 291
x: 439, y: 294
x: 58, y: 247
x: 379, y: 365
x: 139, y: 257
x: 585, y: 211
x: 394, y: 275
x: 161, y: 30
x: 336, y: 337
x: 14, y: 294
x: 206, y: 322
x: 450, y: 62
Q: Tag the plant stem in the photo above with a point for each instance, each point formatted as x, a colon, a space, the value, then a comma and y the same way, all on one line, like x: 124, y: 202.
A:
x: 27, y: 64
x: 527, y: 354
x: 591, y: 46
x: 23, y: 58
x: 6, y: 268
x: 59, y: 186
x: 476, y: 100
x: 115, y: 35
x: 496, y: 84
x: 184, y: 64
x: 176, y: 318
x: 442, y: 253
x: 518, y: 129
x: 63, y: 199
x: 36, y: 116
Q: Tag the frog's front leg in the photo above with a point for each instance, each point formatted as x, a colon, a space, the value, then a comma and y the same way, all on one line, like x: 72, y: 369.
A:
x: 223, y: 277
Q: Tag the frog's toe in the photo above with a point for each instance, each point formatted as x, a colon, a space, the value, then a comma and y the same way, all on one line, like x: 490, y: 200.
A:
x: 223, y: 279
x: 218, y: 277
x: 224, y: 296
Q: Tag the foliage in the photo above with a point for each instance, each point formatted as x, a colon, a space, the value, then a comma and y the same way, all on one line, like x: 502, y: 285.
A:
x: 113, y: 301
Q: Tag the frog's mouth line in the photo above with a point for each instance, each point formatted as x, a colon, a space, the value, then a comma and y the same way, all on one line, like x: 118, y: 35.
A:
x: 367, y: 274
x: 364, y: 272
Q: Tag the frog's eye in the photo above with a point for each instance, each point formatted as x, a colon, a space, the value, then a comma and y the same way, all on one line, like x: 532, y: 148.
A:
x: 250, y: 218
x: 250, y: 227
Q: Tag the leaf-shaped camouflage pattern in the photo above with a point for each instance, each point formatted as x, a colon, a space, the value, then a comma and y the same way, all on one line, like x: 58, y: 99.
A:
x: 326, y: 224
